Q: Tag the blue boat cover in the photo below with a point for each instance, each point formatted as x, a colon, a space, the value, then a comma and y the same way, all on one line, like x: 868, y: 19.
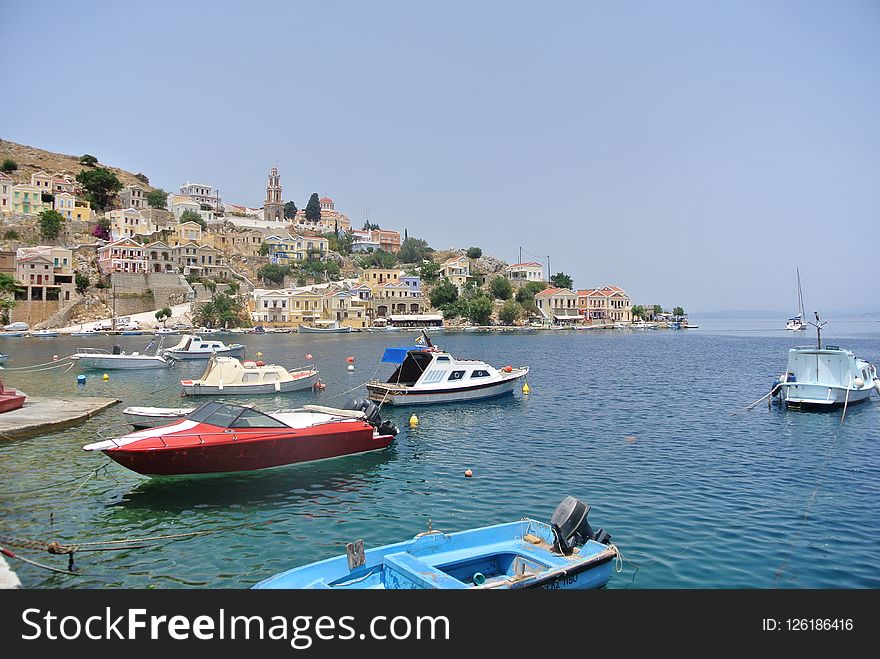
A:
x: 397, y: 355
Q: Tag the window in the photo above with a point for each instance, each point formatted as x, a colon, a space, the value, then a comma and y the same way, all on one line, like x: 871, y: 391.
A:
x: 456, y: 375
x: 480, y: 374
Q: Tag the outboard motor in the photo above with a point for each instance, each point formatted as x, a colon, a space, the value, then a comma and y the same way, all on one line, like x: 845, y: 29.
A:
x: 117, y: 350
x: 571, y: 528
x: 371, y: 415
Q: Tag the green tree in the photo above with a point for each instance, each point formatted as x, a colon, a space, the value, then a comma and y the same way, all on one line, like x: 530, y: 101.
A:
x: 10, y: 234
x: 50, y: 224
x: 370, y: 227
x: 8, y: 287
x: 273, y: 273
x: 500, y: 287
x: 100, y: 185
x: 479, y: 310
x: 193, y: 216
x: 562, y: 280
x: 289, y: 210
x: 264, y: 249
x: 157, y: 198
x: 340, y: 242
x: 163, y: 314
x: 474, y: 253
x: 7, y: 304
x: 510, y: 312
x: 455, y: 309
x: 413, y: 250
x: 657, y: 309
x: 82, y: 282
x: 678, y: 311
x: 443, y: 293
x: 527, y: 291
x: 313, y: 208
x: 638, y: 311
x: 88, y: 160
x: 377, y: 259
x: 429, y: 271
x: 9, y: 165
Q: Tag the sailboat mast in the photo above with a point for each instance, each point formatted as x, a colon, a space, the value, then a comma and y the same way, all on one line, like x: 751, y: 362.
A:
x: 800, y: 295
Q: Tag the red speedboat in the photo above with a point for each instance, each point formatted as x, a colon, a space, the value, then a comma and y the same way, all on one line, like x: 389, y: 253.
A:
x: 221, y: 437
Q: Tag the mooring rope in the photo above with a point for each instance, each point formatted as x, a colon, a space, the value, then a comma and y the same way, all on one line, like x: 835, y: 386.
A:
x: 52, y: 364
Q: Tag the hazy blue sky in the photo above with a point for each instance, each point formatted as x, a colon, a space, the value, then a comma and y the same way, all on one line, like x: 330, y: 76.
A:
x: 694, y: 153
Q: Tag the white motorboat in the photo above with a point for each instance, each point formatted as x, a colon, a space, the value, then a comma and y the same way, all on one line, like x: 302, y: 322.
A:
x: 100, y: 359
x: 426, y: 375
x: 324, y: 327
x: 824, y: 377
x: 44, y: 334
x: 797, y: 323
x: 229, y: 376
x: 151, y: 417
x: 195, y: 347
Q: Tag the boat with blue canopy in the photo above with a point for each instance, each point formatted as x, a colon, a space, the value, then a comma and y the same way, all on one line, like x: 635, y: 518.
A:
x: 564, y: 554
x: 425, y: 374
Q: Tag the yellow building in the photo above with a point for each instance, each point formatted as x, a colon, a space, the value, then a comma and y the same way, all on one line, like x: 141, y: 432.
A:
x: 287, y: 307
x: 186, y: 232
x: 27, y: 199
x: 457, y: 270
x: 376, y: 277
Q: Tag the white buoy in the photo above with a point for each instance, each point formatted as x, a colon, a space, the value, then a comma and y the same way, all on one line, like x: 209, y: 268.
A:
x: 858, y: 383
x: 351, y: 367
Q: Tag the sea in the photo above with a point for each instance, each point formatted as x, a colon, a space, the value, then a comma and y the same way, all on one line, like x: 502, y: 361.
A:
x: 649, y: 427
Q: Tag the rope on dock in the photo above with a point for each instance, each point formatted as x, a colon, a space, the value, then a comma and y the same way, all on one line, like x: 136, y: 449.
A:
x: 10, y: 554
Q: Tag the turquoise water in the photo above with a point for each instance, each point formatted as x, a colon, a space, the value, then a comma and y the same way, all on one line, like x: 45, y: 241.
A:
x: 638, y: 424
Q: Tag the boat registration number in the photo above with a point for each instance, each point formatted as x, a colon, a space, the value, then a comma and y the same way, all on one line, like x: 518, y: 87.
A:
x: 561, y: 581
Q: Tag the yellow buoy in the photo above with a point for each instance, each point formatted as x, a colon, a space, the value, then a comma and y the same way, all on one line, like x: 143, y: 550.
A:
x: 413, y: 421
x: 259, y: 354
x: 105, y: 377
x: 526, y: 389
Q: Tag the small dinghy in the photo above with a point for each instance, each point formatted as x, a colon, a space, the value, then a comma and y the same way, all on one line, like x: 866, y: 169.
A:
x: 195, y: 347
x: 151, y: 417
x: 324, y: 327
x: 10, y: 399
x: 229, y: 376
x: 564, y: 554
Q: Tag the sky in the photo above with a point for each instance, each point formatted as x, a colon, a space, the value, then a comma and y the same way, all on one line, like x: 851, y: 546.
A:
x: 693, y: 153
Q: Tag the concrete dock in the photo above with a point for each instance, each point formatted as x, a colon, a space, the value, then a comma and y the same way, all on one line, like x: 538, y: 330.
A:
x: 40, y: 414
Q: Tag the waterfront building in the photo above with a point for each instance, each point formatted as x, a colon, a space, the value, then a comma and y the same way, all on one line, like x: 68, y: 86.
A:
x: 345, y: 307
x: 606, y: 304
x: 558, y: 306
x: 377, y: 277
x: 413, y: 282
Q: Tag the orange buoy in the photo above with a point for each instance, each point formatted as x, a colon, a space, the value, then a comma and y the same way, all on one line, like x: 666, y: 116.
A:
x: 308, y: 355
x: 350, y: 360
x: 261, y: 363
x: 507, y: 369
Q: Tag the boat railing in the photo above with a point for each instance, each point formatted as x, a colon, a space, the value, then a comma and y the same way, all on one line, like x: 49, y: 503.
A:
x: 92, y: 351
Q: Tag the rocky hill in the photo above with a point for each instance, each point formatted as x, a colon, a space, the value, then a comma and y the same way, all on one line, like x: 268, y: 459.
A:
x: 31, y: 160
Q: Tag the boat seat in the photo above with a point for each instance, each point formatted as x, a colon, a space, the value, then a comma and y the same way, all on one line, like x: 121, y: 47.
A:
x: 424, y: 575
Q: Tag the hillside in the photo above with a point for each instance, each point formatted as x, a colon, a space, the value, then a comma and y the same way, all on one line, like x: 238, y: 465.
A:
x: 31, y: 160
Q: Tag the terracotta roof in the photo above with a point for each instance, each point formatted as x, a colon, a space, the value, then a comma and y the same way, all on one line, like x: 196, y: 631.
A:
x: 530, y: 264
x: 549, y: 291
x: 325, y: 199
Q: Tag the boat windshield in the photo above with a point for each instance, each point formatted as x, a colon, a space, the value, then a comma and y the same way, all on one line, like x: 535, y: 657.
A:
x: 224, y: 415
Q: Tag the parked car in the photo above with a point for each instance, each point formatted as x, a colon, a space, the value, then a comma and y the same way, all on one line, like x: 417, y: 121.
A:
x: 17, y: 327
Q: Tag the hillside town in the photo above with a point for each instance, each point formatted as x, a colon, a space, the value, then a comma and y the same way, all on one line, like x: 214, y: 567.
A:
x: 84, y: 245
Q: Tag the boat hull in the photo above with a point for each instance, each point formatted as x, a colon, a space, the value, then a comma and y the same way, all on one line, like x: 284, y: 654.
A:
x: 232, y: 452
x: 318, y: 330
x: 236, y: 351
x: 145, y: 419
x: 125, y: 362
x: 393, y: 395
x: 251, y: 389
x: 819, y: 396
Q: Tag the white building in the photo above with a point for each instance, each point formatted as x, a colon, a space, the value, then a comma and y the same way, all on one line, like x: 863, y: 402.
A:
x: 202, y: 194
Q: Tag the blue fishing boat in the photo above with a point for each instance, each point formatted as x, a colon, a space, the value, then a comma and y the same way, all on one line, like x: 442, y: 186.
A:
x: 564, y: 554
